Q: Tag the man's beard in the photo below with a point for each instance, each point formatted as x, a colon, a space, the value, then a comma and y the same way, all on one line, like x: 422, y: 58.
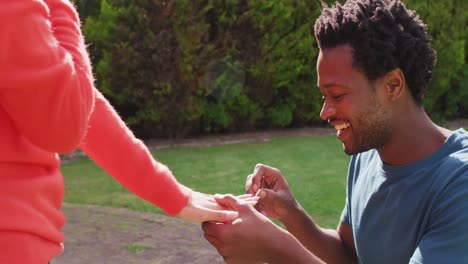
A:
x: 369, y: 131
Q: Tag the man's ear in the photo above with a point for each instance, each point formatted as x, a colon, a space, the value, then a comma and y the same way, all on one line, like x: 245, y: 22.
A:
x: 395, y: 84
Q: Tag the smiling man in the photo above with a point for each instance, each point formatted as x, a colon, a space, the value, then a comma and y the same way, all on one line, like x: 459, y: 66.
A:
x: 407, y: 192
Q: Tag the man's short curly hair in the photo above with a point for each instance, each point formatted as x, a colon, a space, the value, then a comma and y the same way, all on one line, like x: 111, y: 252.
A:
x: 384, y: 35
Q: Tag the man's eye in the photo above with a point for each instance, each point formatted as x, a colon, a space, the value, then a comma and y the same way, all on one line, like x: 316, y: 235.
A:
x: 338, y: 97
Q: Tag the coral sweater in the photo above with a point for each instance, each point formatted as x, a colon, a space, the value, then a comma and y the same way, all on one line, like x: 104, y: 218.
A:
x: 48, y: 105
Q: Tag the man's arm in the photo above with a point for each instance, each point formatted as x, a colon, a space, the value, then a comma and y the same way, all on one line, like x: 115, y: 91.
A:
x: 46, y: 83
x: 333, y: 246
x: 277, y: 201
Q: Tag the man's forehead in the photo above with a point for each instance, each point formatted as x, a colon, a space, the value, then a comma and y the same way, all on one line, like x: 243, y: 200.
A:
x: 334, y: 67
x: 341, y: 55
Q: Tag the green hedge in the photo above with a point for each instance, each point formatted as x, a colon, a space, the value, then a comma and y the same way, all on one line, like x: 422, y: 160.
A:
x: 180, y: 67
x: 447, y: 21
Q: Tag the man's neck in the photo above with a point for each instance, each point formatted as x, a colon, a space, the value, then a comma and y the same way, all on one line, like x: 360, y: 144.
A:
x: 414, y: 137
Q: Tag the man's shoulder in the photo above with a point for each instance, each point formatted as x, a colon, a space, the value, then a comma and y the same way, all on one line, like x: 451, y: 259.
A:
x: 450, y: 174
x: 456, y: 157
x: 459, y: 140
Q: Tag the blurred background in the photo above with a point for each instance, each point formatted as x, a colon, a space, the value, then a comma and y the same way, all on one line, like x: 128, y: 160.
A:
x: 181, y: 68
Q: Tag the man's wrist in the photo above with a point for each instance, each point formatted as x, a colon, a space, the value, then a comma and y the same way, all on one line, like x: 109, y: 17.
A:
x: 295, y: 213
x: 289, y: 250
x: 282, y: 248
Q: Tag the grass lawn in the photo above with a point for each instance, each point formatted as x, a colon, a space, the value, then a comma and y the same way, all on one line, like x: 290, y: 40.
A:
x: 315, y: 168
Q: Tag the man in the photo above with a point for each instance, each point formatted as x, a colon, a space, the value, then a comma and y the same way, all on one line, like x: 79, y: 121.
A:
x: 407, y: 193
x: 48, y: 105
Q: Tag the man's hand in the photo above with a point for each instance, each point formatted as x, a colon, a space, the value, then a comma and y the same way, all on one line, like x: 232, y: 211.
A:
x: 276, y: 199
x: 203, y: 207
x: 251, y: 238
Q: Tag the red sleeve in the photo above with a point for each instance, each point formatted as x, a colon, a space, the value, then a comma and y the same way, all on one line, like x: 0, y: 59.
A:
x: 111, y: 144
x: 46, y: 82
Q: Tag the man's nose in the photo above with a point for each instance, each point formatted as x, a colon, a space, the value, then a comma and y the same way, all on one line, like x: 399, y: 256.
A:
x: 327, y: 111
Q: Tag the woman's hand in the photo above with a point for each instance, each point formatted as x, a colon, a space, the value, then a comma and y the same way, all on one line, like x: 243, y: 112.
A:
x: 203, y: 207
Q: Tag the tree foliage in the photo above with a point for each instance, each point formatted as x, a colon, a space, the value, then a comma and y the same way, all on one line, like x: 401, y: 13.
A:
x: 179, y: 67
x: 447, y: 23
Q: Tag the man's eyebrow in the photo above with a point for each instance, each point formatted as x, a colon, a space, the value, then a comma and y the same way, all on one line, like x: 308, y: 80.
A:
x: 331, y: 85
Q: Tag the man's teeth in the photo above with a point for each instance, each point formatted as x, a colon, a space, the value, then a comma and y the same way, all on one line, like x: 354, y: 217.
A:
x: 342, y: 126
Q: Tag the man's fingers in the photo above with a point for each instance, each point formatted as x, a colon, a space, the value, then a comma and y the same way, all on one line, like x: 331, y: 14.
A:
x: 226, y: 200
x: 215, y: 243
x: 264, y: 173
x: 213, y: 240
x: 216, y: 233
x: 265, y: 194
x: 230, y: 201
x: 266, y: 200
x: 208, y: 227
x: 248, y: 184
x: 221, y: 216
x: 257, y: 177
x: 212, y: 228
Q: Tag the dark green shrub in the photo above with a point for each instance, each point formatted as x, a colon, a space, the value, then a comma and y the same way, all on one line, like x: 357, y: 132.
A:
x: 447, y: 23
x: 180, y: 67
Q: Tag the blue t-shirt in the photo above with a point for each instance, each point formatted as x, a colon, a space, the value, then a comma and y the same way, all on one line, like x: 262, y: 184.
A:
x: 416, y: 213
